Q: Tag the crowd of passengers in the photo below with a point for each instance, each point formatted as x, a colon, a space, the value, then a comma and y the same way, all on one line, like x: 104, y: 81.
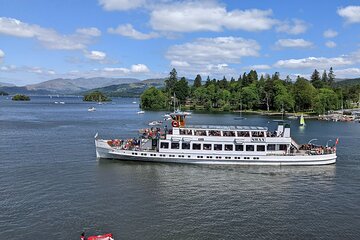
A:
x: 318, y: 150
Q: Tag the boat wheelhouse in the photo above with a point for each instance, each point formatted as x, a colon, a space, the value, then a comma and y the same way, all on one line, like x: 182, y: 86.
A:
x: 247, y: 145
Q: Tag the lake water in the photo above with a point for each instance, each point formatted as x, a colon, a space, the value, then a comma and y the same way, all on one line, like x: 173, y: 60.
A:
x: 52, y: 186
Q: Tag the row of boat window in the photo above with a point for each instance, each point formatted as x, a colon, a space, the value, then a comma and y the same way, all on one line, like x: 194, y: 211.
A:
x: 221, y: 147
x: 218, y: 133
x: 199, y: 156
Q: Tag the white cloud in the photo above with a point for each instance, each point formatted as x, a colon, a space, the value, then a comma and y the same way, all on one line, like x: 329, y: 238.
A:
x: 121, y: 5
x: 293, y: 43
x: 294, y: 27
x: 94, y: 32
x: 258, y: 67
x: 330, y: 33
x: 27, y: 69
x: 95, y: 55
x: 211, y: 55
x: 330, y: 44
x: 139, y: 68
x: 208, y: 16
x: 128, y: 30
x: 347, y: 73
x: 314, y: 62
x: 2, y: 54
x: 48, y: 37
x: 350, y: 13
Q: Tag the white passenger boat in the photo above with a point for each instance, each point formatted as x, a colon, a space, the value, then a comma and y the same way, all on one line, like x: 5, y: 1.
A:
x: 246, y: 145
x: 91, y: 109
x: 140, y: 112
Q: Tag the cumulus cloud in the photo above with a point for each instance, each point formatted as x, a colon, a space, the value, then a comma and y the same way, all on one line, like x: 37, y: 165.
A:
x: 347, y: 73
x: 258, y: 67
x: 330, y: 44
x: 293, y: 43
x: 95, y: 55
x: 211, y: 55
x: 350, y: 13
x: 294, y: 27
x: 330, y: 33
x: 121, y: 5
x: 128, y: 30
x: 314, y: 62
x: 2, y: 54
x: 139, y: 68
x: 48, y: 37
x: 28, y: 69
x: 207, y: 16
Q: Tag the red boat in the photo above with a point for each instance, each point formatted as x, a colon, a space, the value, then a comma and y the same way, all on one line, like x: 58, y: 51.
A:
x: 107, y: 236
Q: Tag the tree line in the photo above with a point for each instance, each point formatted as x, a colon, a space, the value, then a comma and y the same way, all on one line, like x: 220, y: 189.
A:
x: 253, y: 92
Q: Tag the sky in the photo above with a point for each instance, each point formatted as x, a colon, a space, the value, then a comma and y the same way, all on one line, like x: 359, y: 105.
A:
x: 42, y: 40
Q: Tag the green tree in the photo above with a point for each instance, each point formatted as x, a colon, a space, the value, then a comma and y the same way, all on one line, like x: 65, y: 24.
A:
x: 153, y: 99
x: 331, y: 77
x: 324, y: 78
x: 250, y: 97
x: 315, y: 79
x: 96, y: 96
x: 304, y: 93
x: 197, y: 81
x: 181, y: 90
x: 171, y: 81
x: 283, y: 98
x: 325, y: 100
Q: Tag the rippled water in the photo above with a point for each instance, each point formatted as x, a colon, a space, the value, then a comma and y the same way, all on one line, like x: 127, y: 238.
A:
x: 52, y: 187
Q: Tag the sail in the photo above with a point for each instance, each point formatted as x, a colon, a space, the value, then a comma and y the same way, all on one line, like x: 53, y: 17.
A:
x: 302, y: 120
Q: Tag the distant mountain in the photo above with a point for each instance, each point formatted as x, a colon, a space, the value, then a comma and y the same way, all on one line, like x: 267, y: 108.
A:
x: 133, y: 89
x: 71, y: 86
x: 4, y: 84
x: 347, y: 82
x: 24, y: 90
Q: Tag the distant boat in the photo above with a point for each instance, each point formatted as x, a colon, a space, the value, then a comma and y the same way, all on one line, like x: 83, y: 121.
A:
x: 91, y: 109
x: 134, y: 102
x: 56, y: 102
x: 62, y: 102
x: 302, y: 120
x: 140, y: 112
x: 155, y: 123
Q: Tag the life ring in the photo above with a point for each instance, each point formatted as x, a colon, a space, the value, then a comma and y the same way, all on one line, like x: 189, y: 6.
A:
x: 175, y: 124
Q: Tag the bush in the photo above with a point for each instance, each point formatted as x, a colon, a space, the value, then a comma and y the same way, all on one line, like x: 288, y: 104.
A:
x: 20, y: 97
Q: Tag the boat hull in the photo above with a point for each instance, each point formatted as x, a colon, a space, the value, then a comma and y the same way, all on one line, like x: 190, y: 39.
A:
x: 104, y: 151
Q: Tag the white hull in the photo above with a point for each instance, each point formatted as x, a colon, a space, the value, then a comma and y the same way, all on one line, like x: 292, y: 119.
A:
x: 104, y: 151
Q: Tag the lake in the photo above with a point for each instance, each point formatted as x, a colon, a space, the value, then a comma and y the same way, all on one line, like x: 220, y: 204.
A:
x: 52, y: 186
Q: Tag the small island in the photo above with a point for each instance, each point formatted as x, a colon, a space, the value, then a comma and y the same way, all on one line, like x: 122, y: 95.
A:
x: 2, y: 93
x: 96, y: 96
x: 20, y: 97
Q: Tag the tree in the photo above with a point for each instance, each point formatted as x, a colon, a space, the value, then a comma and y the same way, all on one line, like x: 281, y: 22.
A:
x: 324, y: 78
x: 154, y: 99
x: 325, y: 100
x: 283, y: 99
x: 171, y: 81
x: 181, y: 90
x: 331, y: 77
x: 250, y: 97
x: 304, y: 93
x: 315, y: 79
x: 96, y: 96
x: 197, y: 81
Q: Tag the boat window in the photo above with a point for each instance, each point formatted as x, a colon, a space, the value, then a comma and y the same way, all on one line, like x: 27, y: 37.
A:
x: 164, y: 145
x: 239, y: 147
x: 229, y: 147
x: 215, y: 133
x: 228, y: 133
x: 200, y: 132
x: 185, y: 132
x: 260, y: 148
x: 185, y: 145
x: 175, y: 145
x: 207, y: 146
x: 250, y: 148
x: 271, y: 147
x: 218, y: 147
x: 257, y: 134
x: 196, y: 146
x: 243, y: 134
x: 282, y: 147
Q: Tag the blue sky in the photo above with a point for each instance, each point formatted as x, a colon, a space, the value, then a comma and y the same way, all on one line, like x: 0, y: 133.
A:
x: 42, y: 40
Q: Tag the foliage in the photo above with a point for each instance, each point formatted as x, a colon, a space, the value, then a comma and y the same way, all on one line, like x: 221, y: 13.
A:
x: 96, y: 96
x: 2, y: 93
x: 20, y: 97
x: 154, y: 99
x: 251, y: 92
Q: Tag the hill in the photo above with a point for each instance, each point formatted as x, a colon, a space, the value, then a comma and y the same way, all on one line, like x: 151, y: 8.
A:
x: 4, y: 84
x: 347, y: 82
